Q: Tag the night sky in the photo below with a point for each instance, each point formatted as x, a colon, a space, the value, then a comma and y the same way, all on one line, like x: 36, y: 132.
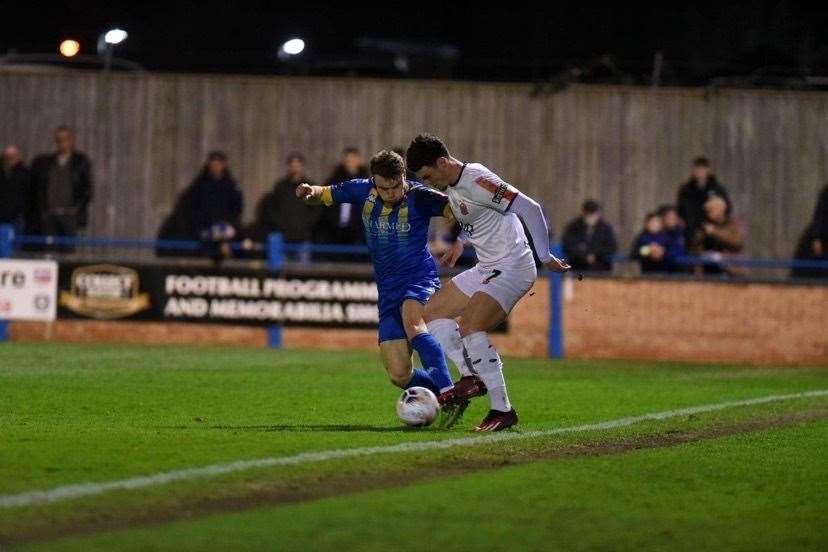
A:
x: 763, y: 42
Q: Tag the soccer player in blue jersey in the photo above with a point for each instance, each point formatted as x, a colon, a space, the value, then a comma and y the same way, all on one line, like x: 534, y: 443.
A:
x: 395, y: 216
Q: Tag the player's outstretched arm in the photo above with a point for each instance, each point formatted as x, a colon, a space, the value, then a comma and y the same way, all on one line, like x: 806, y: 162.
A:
x: 531, y: 214
x: 312, y: 195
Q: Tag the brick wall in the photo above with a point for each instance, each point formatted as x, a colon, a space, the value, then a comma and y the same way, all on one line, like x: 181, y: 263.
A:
x: 603, y: 318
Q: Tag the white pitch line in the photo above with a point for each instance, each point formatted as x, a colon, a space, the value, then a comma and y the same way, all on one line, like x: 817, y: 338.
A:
x: 69, y: 492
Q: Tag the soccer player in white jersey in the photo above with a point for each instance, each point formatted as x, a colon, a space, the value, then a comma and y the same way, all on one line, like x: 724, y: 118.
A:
x: 487, y: 210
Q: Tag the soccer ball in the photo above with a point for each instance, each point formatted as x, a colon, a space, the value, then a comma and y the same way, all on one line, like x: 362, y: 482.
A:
x: 417, y: 407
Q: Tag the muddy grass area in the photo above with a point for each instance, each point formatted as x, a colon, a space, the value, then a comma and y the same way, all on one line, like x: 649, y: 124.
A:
x: 265, y: 492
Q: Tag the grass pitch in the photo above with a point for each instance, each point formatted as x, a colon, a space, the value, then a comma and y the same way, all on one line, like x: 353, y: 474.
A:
x: 752, y: 477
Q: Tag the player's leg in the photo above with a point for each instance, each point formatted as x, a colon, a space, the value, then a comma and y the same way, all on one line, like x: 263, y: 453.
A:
x: 440, y: 315
x: 431, y: 355
x: 396, y: 357
x: 395, y: 351
x: 495, y: 297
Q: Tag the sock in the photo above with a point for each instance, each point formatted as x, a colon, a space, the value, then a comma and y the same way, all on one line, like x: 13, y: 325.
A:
x: 420, y: 378
x: 431, y: 355
x: 486, y: 362
x: 447, y: 333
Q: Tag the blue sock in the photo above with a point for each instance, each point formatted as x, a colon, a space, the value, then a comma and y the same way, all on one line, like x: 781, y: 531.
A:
x: 422, y: 379
x: 433, y: 359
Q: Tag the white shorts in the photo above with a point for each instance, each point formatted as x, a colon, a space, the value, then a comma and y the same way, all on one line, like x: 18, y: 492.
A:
x: 506, y: 281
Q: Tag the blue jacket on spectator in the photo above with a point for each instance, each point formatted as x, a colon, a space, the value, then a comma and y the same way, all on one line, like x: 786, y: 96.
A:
x: 674, y: 249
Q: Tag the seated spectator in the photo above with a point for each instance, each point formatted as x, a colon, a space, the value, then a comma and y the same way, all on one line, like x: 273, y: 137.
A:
x: 719, y: 236
x: 673, y: 230
x: 814, y: 241
x: 278, y: 210
x: 339, y: 224
x: 209, y: 209
x: 693, y: 195
x: 14, y: 188
x: 61, y: 189
x: 650, y: 246
x: 589, y: 241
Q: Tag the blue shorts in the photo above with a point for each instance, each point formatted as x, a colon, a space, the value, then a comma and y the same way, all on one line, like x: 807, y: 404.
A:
x: 390, y: 305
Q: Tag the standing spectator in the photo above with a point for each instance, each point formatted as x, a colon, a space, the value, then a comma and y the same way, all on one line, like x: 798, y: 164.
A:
x: 589, y: 241
x: 650, y: 246
x: 14, y: 187
x: 673, y: 231
x: 814, y: 241
x: 693, y: 195
x: 209, y: 209
x: 719, y: 236
x: 61, y: 189
x: 278, y: 210
x: 340, y: 224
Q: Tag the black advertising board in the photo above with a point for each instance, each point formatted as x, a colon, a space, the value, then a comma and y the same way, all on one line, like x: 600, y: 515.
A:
x: 214, y: 295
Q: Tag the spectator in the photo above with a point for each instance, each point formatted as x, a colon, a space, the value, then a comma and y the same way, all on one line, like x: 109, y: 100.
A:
x: 209, y: 209
x: 278, y: 210
x: 673, y: 231
x: 719, y: 236
x: 61, y: 189
x: 814, y: 241
x: 693, y: 195
x: 589, y: 241
x: 14, y: 187
x: 650, y: 246
x: 339, y: 224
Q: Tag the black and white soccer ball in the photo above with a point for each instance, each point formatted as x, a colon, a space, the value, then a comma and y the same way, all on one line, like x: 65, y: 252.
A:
x: 417, y: 407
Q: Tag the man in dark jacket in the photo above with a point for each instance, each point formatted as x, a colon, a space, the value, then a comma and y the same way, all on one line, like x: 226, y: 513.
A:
x: 341, y: 224
x: 209, y: 209
x: 589, y: 241
x: 694, y: 193
x: 814, y: 241
x: 278, y: 210
x: 14, y: 187
x: 61, y: 189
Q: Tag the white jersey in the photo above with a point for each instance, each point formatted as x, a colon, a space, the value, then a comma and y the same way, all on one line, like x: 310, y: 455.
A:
x: 480, y: 201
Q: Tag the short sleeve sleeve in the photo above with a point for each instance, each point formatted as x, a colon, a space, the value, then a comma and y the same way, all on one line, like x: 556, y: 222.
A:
x: 352, y: 191
x: 489, y: 190
x: 430, y: 202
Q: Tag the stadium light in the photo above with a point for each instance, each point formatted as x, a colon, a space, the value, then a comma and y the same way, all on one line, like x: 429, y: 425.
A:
x: 292, y: 47
x: 69, y: 48
x: 115, y: 36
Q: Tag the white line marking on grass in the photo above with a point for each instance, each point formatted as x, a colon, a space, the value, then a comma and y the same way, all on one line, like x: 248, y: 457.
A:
x: 69, y: 492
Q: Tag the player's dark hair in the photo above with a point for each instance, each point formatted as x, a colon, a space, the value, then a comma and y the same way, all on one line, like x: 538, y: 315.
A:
x: 424, y: 151
x: 701, y: 161
x: 388, y: 164
x: 350, y: 150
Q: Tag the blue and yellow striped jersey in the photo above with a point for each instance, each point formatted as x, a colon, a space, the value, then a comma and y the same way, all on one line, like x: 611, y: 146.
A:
x: 397, y: 235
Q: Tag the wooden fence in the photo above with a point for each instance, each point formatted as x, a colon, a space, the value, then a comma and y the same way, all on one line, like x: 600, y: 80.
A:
x: 147, y: 135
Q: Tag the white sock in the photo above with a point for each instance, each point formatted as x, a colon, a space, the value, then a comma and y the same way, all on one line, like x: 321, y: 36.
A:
x: 447, y: 334
x: 486, y: 362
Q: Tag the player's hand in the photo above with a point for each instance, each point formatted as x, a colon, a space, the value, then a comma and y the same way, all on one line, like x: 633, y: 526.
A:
x: 449, y: 256
x: 817, y: 248
x: 557, y: 265
x: 304, y: 191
